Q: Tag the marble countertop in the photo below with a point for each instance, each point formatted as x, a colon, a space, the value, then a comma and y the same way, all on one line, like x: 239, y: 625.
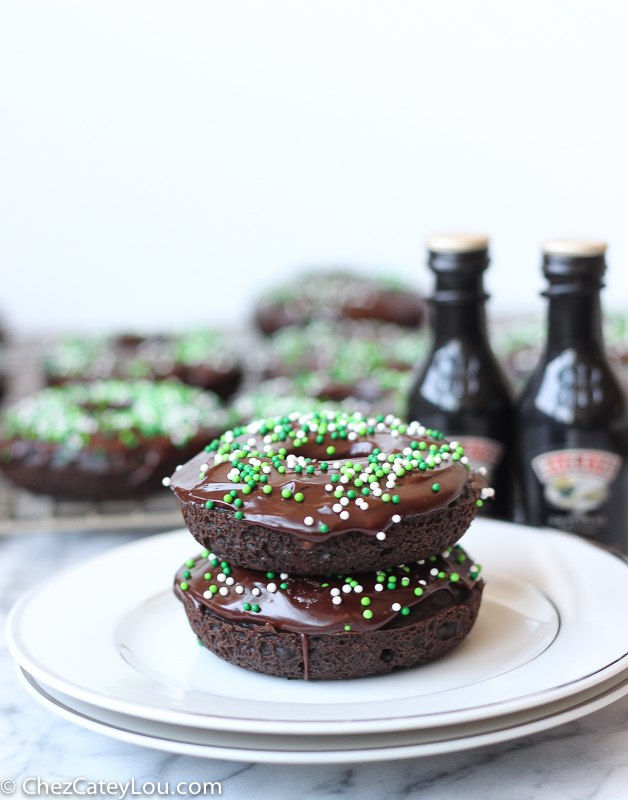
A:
x: 584, y: 759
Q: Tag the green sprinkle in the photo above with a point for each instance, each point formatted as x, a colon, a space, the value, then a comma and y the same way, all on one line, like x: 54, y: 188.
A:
x: 330, y: 450
x: 286, y: 494
x: 283, y: 585
x: 385, y: 498
x: 479, y: 503
x: 299, y: 497
x: 189, y: 562
x: 207, y: 576
x: 395, y: 498
x: 247, y: 606
x: 270, y: 574
x: 436, y: 487
x: 367, y: 614
x: 213, y: 588
x: 441, y: 574
x: 418, y: 591
x: 405, y: 611
x: 347, y: 627
x: 227, y: 498
x: 405, y: 581
x: 238, y: 515
x: 324, y: 465
x: 237, y: 502
x: 246, y: 490
x: 256, y: 608
x: 267, y: 489
x: 187, y: 573
x: 323, y: 528
x: 461, y: 558
x: 184, y: 586
x: 454, y: 577
x: 365, y: 601
x: 205, y: 553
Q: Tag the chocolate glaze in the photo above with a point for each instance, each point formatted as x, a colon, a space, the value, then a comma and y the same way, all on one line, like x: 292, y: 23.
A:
x: 414, y: 490
x: 306, y: 606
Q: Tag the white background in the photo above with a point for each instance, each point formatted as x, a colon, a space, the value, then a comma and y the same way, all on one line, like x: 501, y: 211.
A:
x: 161, y: 162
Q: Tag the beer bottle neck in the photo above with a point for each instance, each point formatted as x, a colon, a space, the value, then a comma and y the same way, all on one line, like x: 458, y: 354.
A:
x: 574, y: 320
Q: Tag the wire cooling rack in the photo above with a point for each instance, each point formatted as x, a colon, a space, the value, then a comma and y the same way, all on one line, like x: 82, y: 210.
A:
x: 22, y: 512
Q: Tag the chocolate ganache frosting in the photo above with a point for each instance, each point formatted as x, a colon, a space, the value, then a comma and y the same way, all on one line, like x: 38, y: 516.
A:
x: 321, y: 475
x: 312, y: 605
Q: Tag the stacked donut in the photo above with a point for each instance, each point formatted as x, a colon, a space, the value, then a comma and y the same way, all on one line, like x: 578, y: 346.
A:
x: 329, y: 545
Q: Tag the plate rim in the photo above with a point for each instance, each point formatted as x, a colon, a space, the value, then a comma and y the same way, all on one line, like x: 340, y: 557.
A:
x: 295, y: 757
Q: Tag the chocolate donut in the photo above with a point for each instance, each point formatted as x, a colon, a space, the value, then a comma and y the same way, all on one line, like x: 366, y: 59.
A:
x: 107, y: 440
x: 335, y: 295
x: 331, y: 627
x: 313, y: 493
x: 205, y: 358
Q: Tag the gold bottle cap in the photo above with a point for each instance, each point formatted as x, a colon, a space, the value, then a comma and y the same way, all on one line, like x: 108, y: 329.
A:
x: 457, y: 243
x: 574, y: 247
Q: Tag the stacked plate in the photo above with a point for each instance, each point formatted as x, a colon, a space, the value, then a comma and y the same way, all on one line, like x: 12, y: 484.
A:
x: 107, y: 645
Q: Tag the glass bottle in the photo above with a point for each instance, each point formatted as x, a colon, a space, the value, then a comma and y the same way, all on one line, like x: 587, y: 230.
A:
x: 573, y: 415
x: 460, y: 389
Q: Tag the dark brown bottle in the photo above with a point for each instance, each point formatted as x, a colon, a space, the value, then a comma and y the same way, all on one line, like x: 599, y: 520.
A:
x: 573, y: 416
x: 460, y: 389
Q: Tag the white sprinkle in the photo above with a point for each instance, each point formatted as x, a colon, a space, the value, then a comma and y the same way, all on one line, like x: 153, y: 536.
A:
x: 335, y: 592
x: 380, y: 427
x: 364, y: 506
x: 482, y: 470
x: 223, y: 591
x: 381, y: 456
x: 256, y: 592
x: 346, y: 588
x: 267, y: 440
x: 377, y: 492
x: 396, y: 518
x: 381, y: 536
x: 444, y: 456
x: 344, y: 515
x: 344, y: 501
x: 423, y: 583
x: 329, y: 487
x: 283, y: 576
x: 336, y: 465
x: 207, y: 595
x: 453, y: 445
x: 444, y: 555
x: 211, y: 555
x: 437, y: 459
x: 308, y: 521
x: 422, y: 561
x: 352, y: 436
x: 221, y: 577
x: 336, y: 600
x: 396, y: 607
x: 358, y: 589
x: 434, y: 571
x: 464, y: 460
x: 166, y: 481
x: 176, y: 469
x: 336, y: 508
x: 379, y: 587
x: 344, y: 479
x: 421, y: 430
x: 229, y: 581
x: 266, y: 470
x: 272, y: 587
x: 239, y: 589
x: 364, y: 476
x: 407, y: 451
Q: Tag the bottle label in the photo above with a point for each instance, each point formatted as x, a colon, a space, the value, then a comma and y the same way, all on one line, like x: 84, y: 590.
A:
x: 576, y: 480
x: 481, y: 452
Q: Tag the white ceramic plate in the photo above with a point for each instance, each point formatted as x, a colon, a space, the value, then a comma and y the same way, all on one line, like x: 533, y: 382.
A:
x: 110, y: 633
x: 277, y: 749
